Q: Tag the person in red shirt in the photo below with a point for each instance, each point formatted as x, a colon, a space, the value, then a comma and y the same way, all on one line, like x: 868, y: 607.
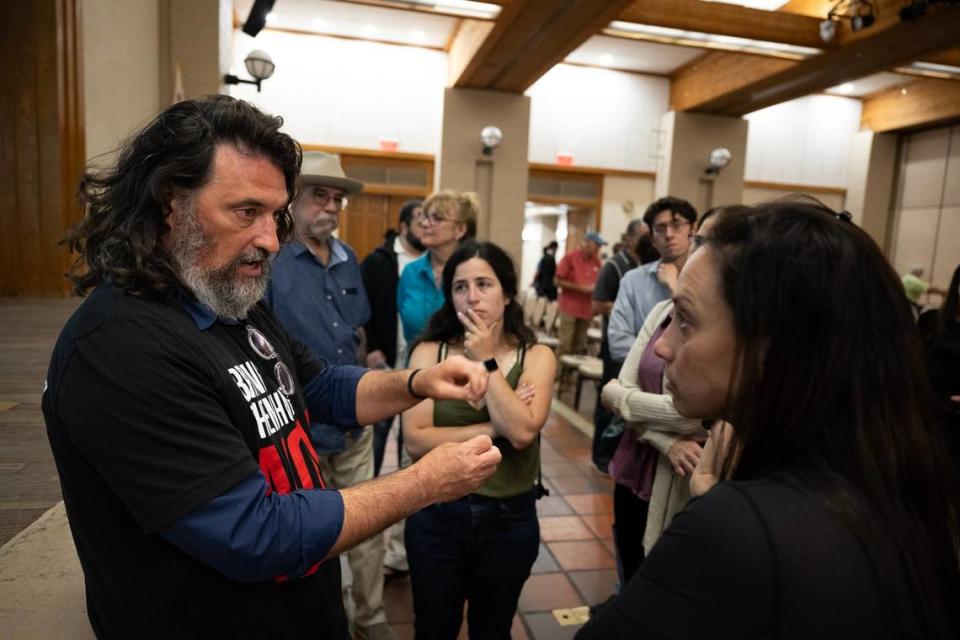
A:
x: 576, y: 276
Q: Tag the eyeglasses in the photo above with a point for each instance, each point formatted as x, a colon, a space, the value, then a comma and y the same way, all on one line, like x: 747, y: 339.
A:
x: 322, y: 197
x: 433, y: 217
x: 676, y: 226
x: 263, y: 348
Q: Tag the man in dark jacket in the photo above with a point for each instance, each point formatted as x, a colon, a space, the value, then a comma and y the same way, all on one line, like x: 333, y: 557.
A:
x: 381, y: 273
x: 385, y: 344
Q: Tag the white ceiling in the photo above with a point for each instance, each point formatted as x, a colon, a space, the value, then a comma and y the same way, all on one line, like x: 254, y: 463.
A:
x: 348, y: 19
x: 357, y: 21
x: 633, y: 55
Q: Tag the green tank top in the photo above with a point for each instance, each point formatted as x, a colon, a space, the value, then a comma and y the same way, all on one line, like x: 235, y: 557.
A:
x: 517, y: 472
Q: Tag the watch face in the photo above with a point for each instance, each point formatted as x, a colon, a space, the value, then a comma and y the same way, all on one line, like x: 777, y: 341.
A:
x: 491, y: 364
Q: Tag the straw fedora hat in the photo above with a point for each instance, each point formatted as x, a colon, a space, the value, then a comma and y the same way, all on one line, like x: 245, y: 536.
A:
x: 324, y: 169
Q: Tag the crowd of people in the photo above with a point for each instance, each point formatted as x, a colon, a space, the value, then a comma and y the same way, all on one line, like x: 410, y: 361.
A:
x: 782, y: 464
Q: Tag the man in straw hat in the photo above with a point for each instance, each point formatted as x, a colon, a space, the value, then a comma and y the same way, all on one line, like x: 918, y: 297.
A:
x: 178, y: 408
x: 316, y: 291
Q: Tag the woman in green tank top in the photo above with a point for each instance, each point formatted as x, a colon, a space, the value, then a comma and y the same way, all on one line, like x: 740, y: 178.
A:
x: 479, y: 549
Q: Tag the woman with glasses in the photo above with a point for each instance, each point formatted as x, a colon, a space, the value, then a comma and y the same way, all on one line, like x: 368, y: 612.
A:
x: 835, y: 515
x: 657, y: 454
x: 479, y: 549
x: 448, y: 219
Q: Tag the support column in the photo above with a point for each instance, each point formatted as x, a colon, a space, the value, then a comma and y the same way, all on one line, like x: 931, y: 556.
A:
x: 688, y: 140
x: 500, y: 179
x: 197, y: 34
x: 870, y: 174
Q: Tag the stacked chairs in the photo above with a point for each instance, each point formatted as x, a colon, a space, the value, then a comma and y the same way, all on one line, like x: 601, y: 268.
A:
x: 585, y: 366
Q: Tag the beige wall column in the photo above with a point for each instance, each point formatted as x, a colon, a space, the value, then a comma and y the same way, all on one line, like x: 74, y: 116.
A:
x: 870, y: 175
x: 120, y: 72
x: 501, y: 178
x: 688, y: 140
x: 192, y: 33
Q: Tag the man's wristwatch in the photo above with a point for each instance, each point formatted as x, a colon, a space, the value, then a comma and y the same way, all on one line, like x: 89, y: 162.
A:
x: 491, y: 365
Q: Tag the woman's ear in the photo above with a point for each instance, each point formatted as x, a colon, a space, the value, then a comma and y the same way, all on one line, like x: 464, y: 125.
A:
x: 460, y: 230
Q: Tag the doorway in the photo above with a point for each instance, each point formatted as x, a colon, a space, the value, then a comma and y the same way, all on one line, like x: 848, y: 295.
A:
x: 562, y: 205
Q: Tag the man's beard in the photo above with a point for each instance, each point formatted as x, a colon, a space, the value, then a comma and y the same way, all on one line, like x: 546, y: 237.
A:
x: 220, y: 289
x: 414, y: 241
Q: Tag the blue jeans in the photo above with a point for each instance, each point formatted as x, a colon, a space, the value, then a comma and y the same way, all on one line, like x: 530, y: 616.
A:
x: 476, y: 550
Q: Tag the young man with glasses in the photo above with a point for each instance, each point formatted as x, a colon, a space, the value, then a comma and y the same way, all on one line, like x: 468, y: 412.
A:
x: 179, y: 409
x: 316, y: 291
x: 670, y: 221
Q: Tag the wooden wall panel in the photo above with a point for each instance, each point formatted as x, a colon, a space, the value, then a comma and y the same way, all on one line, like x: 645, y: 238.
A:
x: 42, y: 143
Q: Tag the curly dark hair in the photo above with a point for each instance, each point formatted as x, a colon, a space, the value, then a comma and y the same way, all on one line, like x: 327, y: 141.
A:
x: 444, y: 326
x: 120, y: 238
x: 678, y: 206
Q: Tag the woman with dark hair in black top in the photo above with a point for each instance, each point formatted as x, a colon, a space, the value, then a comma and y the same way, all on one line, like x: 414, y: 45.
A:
x: 835, y: 516
x: 940, y: 332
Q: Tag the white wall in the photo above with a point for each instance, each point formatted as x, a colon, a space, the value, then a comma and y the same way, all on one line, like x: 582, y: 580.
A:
x: 804, y: 141
x: 120, y: 71
x: 605, y: 118
x: 348, y: 93
x: 351, y: 93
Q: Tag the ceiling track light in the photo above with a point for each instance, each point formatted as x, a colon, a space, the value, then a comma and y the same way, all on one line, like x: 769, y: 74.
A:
x: 861, y: 14
x: 257, y: 18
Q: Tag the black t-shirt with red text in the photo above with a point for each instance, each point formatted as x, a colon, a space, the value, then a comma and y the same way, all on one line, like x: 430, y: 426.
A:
x: 150, y: 417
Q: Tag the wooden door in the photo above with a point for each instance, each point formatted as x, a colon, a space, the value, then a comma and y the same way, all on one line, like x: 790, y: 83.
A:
x: 364, y: 222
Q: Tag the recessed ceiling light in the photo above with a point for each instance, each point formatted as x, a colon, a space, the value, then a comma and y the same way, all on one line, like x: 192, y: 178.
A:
x: 319, y: 23
x: 903, y: 91
x: 846, y: 87
x: 419, y: 37
x: 606, y: 59
x: 668, y: 35
x: 369, y: 29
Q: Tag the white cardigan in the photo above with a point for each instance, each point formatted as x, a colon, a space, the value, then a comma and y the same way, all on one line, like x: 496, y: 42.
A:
x: 652, y: 418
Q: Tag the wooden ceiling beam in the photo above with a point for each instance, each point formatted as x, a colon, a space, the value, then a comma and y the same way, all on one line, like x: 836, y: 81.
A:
x: 529, y: 37
x: 718, y: 73
x: 950, y: 57
x: 728, y: 20
x: 696, y: 88
x: 924, y: 103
